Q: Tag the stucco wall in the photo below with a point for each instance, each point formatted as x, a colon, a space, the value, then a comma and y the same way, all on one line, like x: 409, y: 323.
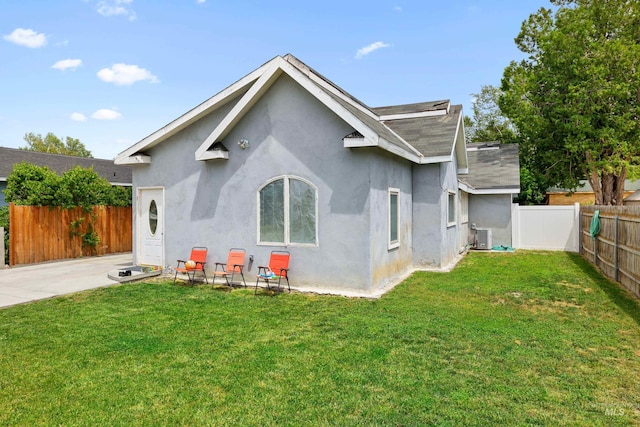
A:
x: 451, y: 241
x: 214, y: 203
x: 492, y: 211
x: 185, y: 181
x: 388, y: 265
x: 427, y: 215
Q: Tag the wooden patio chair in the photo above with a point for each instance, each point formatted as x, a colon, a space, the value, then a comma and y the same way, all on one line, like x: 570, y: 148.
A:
x: 199, y: 257
x: 234, y: 264
x: 277, y: 270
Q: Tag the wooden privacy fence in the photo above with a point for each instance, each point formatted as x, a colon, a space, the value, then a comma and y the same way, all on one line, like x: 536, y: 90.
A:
x: 42, y: 233
x: 616, y: 248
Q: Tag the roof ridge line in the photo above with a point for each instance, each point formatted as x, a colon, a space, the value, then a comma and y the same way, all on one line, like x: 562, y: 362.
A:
x: 327, y: 84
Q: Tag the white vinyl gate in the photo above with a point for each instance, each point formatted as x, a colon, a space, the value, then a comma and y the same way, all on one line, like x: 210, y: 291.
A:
x: 546, y: 227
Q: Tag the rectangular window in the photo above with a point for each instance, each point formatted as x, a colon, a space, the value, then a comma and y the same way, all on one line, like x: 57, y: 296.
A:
x: 394, y: 223
x: 451, y: 209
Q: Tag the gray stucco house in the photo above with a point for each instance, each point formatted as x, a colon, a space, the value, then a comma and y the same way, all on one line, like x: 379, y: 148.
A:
x: 283, y: 159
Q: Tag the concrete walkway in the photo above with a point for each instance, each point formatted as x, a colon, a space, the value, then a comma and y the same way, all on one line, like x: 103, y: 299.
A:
x: 23, y: 284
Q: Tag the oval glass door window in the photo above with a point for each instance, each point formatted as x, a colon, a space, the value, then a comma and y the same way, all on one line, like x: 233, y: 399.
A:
x: 153, y: 217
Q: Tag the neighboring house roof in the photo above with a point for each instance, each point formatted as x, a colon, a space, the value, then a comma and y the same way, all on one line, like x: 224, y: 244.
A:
x: 493, y: 168
x: 115, y: 174
x: 585, y: 187
x: 428, y: 132
x: 634, y: 197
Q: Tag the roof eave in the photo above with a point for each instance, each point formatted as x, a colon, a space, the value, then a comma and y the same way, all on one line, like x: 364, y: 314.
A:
x: 434, y: 159
x: 135, y: 159
x: 495, y: 191
x: 191, y: 116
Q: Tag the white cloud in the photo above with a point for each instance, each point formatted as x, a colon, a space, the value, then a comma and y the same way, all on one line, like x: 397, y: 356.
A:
x: 200, y: 1
x: 124, y: 74
x: 106, y: 114
x: 26, y: 37
x: 370, y: 48
x: 65, y: 64
x: 115, y: 8
x: 78, y: 117
x: 398, y: 9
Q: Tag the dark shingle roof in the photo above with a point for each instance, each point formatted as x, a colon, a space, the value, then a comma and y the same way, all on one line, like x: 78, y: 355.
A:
x: 432, y: 135
x: 372, y: 123
x: 493, y: 166
x: 436, y: 141
x: 115, y: 174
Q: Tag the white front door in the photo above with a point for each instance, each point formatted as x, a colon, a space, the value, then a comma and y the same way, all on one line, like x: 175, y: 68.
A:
x: 150, y: 226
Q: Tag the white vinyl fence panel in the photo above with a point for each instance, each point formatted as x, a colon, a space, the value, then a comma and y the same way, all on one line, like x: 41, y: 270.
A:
x: 546, y: 227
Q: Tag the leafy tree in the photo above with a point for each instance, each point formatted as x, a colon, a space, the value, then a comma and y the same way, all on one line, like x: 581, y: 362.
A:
x: 29, y: 184
x: 575, y: 100
x: 488, y: 123
x: 54, y: 145
x: 121, y: 196
x: 83, y: 187
x: 532, y: 192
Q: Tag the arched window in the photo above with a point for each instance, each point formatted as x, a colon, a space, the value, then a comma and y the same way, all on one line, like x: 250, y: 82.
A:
x: 287, y: 212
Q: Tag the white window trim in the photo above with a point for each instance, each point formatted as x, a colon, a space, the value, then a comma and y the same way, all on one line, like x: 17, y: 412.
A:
x: 285, y: 190
x: 455, y: 202
x: 393, y: 244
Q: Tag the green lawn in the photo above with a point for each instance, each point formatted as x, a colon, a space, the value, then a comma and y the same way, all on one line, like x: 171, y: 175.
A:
x: 531, y: 338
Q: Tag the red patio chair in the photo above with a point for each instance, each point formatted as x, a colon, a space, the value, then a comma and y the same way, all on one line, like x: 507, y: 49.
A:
x: 277, y: 270
x: 199, y: 257
x: 234, y: 264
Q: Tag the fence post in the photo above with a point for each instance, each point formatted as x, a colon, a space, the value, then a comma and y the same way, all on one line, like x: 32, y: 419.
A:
x: 2, y: 264
x: 515, y: 225
x: 580, y: 236
x: 615, y: 247
x: 595, y: 247
x: 12, y: 235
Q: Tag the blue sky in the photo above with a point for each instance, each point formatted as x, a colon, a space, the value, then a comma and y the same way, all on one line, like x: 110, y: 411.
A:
x: 110, y: 72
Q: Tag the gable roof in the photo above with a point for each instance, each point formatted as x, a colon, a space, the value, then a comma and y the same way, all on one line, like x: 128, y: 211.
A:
x: 395, y: 129
x: 115, y: 174
x: 494, y: 168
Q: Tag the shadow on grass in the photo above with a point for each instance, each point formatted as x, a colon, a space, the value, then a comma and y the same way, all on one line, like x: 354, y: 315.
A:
x: 616, y: 292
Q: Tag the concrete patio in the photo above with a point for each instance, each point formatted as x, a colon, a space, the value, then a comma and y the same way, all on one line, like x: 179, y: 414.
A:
x: 22, y: 284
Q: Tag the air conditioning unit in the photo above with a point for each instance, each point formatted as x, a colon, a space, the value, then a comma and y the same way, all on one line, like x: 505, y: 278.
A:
x: 483, y: 238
